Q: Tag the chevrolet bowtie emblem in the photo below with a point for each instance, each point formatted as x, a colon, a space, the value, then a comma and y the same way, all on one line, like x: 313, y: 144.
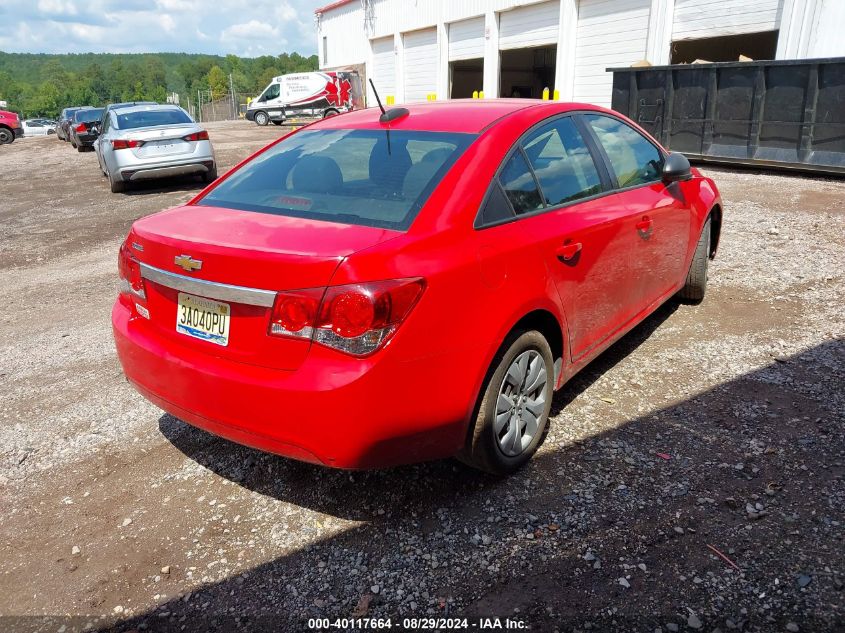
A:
x: 187, y: 262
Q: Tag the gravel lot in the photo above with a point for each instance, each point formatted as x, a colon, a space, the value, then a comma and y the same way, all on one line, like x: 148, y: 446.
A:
x: 711, y: 427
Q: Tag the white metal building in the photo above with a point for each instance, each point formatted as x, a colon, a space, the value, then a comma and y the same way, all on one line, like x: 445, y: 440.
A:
x: 450, y: 48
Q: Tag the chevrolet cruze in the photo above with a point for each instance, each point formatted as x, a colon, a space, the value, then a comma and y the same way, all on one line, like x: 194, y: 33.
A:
x: 383, y: 288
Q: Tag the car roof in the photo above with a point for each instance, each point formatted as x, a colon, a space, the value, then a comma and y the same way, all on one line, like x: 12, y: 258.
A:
x: 128, y: 109
x: 455, y: 115
x: 126, y: 104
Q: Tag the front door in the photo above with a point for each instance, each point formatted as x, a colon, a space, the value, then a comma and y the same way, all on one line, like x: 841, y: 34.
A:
x: 661, y: 231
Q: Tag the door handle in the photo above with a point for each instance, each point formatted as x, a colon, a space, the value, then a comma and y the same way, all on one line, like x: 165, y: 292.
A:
x: 644, y: 227
x: 568, y: 251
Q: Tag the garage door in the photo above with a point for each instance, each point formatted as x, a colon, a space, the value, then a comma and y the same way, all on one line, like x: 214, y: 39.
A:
x: 534, y: 25
x: 466, y: 39
x: 609, y: 34
x: 384, y: 67
x: 420, y: 64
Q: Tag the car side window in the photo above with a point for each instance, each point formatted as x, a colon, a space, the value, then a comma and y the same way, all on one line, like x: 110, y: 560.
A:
x: 634, y: 160
x: 562, y: 162
x: 519, y: 185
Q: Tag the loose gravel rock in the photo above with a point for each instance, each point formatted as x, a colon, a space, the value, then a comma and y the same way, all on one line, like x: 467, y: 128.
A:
x: 700, y: 460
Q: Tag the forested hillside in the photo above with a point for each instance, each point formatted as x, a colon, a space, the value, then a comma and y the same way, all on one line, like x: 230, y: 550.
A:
x: 41, y: 85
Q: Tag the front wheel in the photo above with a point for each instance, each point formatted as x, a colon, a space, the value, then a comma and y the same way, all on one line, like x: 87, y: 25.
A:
x: 262, y: 118
x: 514, y: 411
x: 696, y: 282
x: 6, y: 136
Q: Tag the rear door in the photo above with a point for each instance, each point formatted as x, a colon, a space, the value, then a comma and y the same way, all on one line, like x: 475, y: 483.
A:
x: 660, y: 233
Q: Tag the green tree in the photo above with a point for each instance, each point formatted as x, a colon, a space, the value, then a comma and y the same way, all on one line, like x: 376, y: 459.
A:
x: 218, y: 82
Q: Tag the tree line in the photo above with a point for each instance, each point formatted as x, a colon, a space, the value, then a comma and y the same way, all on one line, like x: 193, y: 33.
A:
x: 42, y: 85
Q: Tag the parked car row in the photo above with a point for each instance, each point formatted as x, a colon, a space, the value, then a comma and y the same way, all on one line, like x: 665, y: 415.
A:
x: 140, y: 141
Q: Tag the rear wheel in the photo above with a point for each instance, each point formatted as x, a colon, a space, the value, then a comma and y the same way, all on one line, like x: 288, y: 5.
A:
x: 262, y: 118
x: 277, y: 122
x: 330, y: 112
x: 696, y: 283
x: 117, y: 185
x: 210, y: 175
x: 6, y: 135
x: 514, y: 410
x: 80, y: 148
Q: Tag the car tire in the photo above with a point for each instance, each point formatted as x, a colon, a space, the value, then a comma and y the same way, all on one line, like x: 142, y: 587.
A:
x: 210, y: 176
x: 262, y: 118
x: 80, y: 148
x: 519, y: 384
x: 330, y: 112
x: 117, y: 185
x: 6, y: 136
x: 696, y: 282
x: 277, y: 122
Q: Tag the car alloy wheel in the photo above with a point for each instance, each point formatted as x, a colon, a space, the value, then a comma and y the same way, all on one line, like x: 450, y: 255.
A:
x: 261, y: 118
x: 521, y: 403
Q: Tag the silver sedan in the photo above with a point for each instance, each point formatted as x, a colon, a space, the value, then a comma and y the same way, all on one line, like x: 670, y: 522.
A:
x: 152, y: 141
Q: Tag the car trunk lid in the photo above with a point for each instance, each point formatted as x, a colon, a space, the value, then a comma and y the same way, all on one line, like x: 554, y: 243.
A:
x: 240, y: 259
x: 162, y: 140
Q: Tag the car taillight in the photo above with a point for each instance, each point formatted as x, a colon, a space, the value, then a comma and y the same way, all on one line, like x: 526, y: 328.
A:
x: 81, y: 128
x: 196, y: 136
x: 129, y: 269
x: 121, y: 144
x: 356, y: 318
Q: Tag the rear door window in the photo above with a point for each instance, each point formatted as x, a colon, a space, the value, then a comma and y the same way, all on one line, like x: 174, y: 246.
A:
x: 634, y: 159
x: 562, y: 163
x: 519, y: 185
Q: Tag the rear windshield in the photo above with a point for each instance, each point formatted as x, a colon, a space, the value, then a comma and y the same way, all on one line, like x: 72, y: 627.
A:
x: 149, y: 118
x: 93, y: 114
x: 363, y: 177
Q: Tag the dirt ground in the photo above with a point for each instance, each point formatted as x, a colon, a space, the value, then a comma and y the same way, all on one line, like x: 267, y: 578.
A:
x: 692, y: 479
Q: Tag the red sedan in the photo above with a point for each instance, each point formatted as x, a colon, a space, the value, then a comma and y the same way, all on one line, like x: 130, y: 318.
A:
x: 377, y: 289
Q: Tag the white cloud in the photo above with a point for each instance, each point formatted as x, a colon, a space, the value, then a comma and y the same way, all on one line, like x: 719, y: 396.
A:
x: 253, y: 29
x: 262, y: 27
x: 57, y: 7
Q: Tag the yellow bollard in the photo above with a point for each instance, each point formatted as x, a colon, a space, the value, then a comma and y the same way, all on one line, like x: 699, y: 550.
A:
x: 434, y: 96
x: 389, y: 100
x: 557, y: 95
x: 475, y: 94
x: 481, y: 95
x: 545, y: 94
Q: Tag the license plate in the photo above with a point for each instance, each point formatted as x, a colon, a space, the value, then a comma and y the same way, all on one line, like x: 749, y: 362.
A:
x: 203, y: 318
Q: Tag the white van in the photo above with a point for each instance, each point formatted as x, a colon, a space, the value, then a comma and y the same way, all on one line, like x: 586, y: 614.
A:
x: 317, y: 94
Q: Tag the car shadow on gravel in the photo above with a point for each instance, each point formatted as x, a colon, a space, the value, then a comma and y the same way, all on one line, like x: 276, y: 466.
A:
x: 330, y: 491
x: 723, y: 509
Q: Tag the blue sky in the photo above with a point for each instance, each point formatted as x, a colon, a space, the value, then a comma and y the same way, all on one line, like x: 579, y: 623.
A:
x: 243, y: 27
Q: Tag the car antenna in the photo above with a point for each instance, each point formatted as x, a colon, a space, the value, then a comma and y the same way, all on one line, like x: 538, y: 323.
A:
x: 375, y: 92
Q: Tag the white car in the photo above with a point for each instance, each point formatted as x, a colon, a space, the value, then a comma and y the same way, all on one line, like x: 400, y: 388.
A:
x: 152, y: 141
x: 38, y: 127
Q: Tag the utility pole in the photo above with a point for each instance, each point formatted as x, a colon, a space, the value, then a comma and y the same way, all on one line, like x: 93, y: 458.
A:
x: 234, y: 104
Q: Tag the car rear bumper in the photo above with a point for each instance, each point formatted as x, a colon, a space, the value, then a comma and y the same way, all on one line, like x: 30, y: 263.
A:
x: 333, y: 410
x: 165, y: 170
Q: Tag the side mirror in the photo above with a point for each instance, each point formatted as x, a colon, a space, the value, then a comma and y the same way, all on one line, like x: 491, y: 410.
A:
x: 676, y: 168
